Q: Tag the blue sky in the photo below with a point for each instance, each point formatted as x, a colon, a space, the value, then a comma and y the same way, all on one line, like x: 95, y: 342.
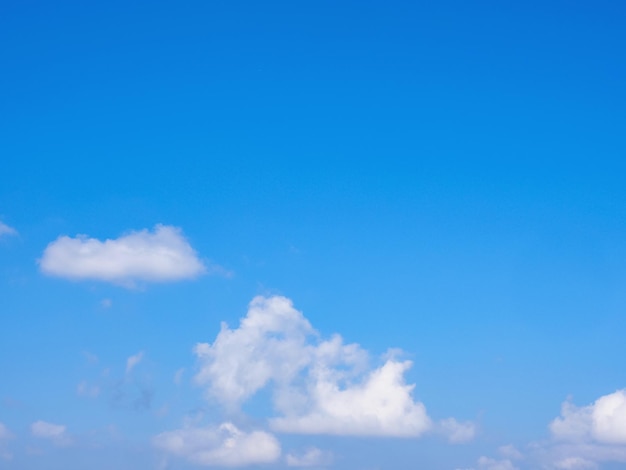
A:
x: 441, y: 184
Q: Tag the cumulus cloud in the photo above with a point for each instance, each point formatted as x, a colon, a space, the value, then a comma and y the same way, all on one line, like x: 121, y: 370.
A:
x: 160, y: 255
x: 586, y: 436
x: 582, y: 438
x: 604, y: 421
x: 56, y: 433
x: 133, y: 361
x: 312, y: 457
x: 379, y: 405
x: 270, y: 344
x: 224, y: 445
x: 6, y: 230
x: 319, y: 386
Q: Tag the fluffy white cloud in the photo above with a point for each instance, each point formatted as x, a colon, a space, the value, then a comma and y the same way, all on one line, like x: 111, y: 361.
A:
x: 224, y: 445
x: 319, y: 386
x: 379, y: 405
x: 132, y: 361
x: 6, y: 230
x: 270, y: 344
x: 457, y: 432
x: 312, y: 457
x: 604, y: 421
x: 56, y: 433
x: 161, y: 255
x: 583, y: 438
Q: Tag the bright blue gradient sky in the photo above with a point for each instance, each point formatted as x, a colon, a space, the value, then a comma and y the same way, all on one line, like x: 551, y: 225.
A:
x: 446, y: 178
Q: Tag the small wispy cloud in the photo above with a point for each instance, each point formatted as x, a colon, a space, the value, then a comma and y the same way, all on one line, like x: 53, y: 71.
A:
x: 133, y: 361
x: 178, y: 376
x: 457, y: 432
x: 6, y: 230
x: 83, y: 389
x: 55, y: 433
x: 487, y: 463
x: 312, y: 457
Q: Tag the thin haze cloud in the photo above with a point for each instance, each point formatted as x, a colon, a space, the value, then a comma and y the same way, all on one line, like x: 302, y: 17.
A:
x: 6, y: 230
x: 56, y: 433
x: 133, y: 361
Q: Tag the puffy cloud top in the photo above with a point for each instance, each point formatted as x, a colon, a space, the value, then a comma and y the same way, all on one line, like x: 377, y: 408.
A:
x: 161, y: 255
x: 222, y: 446
x: 604, y: 421
x: 319, y: 386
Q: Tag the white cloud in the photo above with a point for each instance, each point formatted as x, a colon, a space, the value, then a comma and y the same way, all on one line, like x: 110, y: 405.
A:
x: 85, y: 390
x: 457, y: 432
x: 161, y: 255
x: 270, y: 344
x: 56, y: 433
x: 6, y: 230
x: 380, y: 405
x: 133, y: 361
x: 604, y: 421
x: 224, y: 445
x: 319, y: 386
x: 487, y: 463
x: 312, y: 457
x: 582, y: 438
x: 510, y: 451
